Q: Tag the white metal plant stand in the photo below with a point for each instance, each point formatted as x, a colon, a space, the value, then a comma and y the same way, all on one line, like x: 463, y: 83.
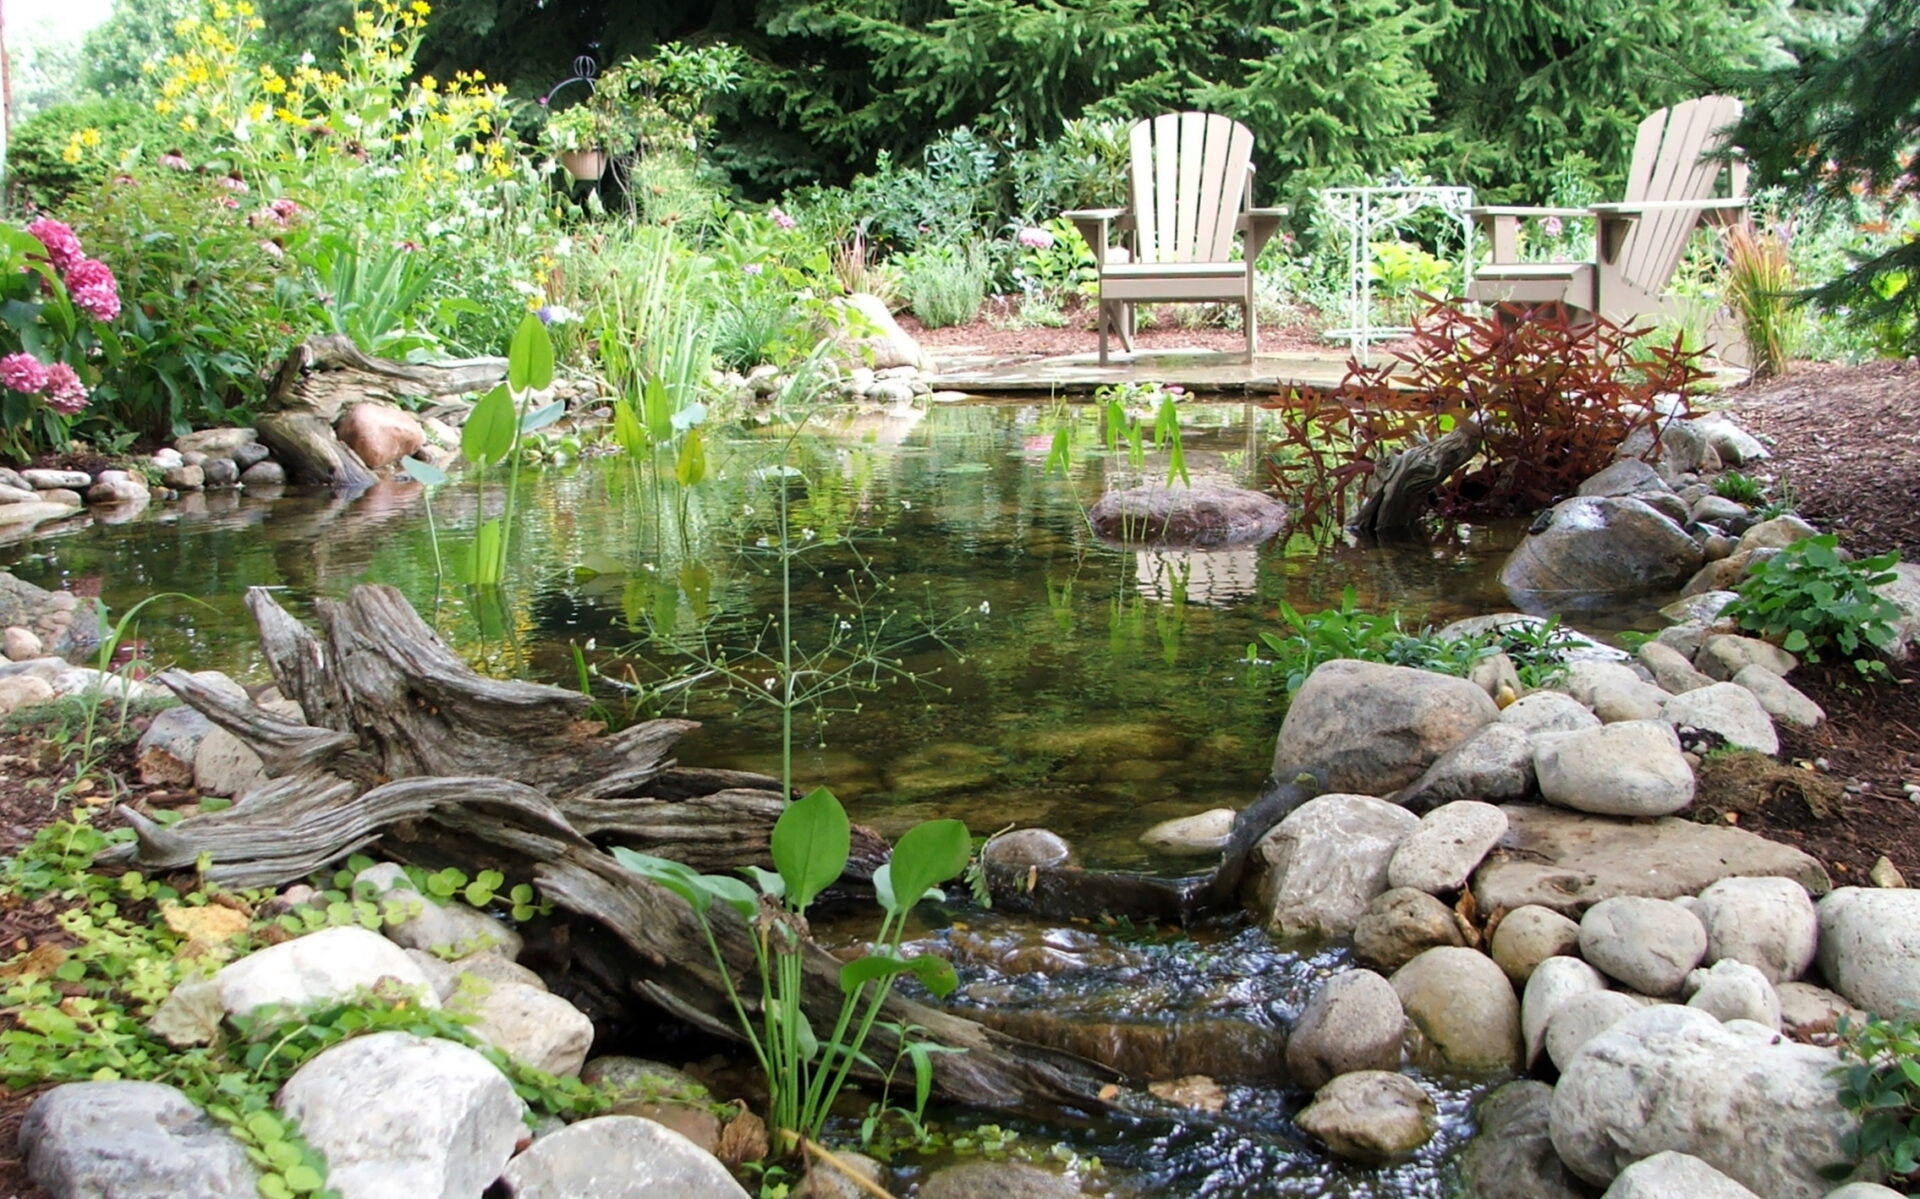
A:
x: 1363, y: 213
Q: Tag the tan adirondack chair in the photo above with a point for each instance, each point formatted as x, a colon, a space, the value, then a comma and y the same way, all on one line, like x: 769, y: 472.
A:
x: 1191, y: 186
x: 1639, y: 243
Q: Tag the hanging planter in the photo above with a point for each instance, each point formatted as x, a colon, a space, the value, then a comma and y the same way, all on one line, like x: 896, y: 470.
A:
x: 584, y: 165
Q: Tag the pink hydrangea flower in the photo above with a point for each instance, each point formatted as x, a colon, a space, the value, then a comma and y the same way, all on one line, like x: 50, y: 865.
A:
x: 65, y: 392
x: 94, y: 289
x: 1035, y: 238
x: 63, y: 248
x: 782, y: 220
x: 22, y: 372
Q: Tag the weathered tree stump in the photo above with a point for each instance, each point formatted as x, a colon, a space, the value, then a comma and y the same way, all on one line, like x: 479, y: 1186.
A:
x: 1401, y: 485
x: 323, y: 376
x: 403, y: 749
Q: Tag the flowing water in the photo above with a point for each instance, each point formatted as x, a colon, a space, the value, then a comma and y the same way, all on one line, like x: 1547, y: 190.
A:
x: 1037, y: 676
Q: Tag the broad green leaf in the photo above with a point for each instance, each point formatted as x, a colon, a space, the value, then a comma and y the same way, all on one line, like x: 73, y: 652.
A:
x: 303, y: 1178
x: 530, y: 358
x: 487, y: 436
x: 927, y: 855
x: 487, y: 555
x: 810, y: 844
x: 627, y: 430
x: 688, y: 417
x: 424, y: 473
x: 1060, y: 451
x: 691, y: 466
x: 935, y: 974
x: 770, y: 884
x: 861, y: 971
x: 730, y: 891
x: 273, y: 1186
x: 674, y: 876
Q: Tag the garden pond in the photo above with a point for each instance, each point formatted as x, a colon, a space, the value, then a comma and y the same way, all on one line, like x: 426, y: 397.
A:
x: 1068, y: 684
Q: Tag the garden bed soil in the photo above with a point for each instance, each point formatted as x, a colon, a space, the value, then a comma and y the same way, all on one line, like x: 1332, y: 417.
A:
x: 1846, y: 440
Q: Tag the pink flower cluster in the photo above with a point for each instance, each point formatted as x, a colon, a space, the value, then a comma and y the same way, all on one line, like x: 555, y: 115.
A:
x: 90, y: 282
x: 782, y: 220
x: 1035, y: 238
x: 22, y: 372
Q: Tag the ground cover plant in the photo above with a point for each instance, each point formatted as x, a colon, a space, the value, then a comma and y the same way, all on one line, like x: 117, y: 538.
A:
x: 1811, y: 601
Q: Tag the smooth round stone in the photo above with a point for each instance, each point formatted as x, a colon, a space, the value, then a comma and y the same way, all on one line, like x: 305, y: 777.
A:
x: 1027, y: 847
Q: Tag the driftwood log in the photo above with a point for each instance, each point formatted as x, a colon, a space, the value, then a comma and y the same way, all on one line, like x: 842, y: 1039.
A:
x: 323, y: 376
x: 1401, y: 485
x: 402, y: 748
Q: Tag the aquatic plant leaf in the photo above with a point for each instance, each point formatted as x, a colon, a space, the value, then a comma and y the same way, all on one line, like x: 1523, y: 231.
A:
x: 672, y: 875
x: 424, y: 473
x: 543, y: 416
x: 691, y: 466
x: 487, y: 437
x: 810, y: 844
x: 530, y: 357
x: 927, y: 855
x: 627, y: 430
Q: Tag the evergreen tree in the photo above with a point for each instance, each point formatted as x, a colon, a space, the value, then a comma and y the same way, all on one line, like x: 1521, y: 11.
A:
x: 1847, y: 117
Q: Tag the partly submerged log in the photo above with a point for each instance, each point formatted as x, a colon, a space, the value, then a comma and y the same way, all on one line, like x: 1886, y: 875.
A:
x: 1401, y: 485
x: 403, y: 749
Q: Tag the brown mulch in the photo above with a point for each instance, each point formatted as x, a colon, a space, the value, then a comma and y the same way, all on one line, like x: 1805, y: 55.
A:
x: 1846, y: 439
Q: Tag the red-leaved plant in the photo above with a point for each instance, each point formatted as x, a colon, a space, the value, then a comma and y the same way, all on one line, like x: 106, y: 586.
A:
x: 1554, y: 399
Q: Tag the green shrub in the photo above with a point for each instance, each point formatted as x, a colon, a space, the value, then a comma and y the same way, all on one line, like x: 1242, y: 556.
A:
x: 1882, y: 1087
x: 62, y: 149
x: 1811, y: 601
x: 944, y: 285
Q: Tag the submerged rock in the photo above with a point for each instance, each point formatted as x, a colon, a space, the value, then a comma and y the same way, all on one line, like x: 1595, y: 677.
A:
x: 1512, y: 1157
x: 1205, y: 515
x: 1371, y: 1116
x: 1596, y: 549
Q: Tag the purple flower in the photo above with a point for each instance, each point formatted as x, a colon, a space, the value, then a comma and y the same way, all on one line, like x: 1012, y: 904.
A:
x: 65, y: 392
x: 22, y: 372
x: 545, y: 313
x: 94, y: 289
x: 1551, y: 226
x: 752, y: 268
x: 63, y: 248
x: 1035, y: 237
x: 782, y: 220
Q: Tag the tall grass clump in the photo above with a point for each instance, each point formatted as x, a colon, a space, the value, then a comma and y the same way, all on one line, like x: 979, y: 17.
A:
x: 1759, y: 290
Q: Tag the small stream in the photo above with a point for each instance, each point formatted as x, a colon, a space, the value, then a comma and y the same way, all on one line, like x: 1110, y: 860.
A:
x: 1038, y: 677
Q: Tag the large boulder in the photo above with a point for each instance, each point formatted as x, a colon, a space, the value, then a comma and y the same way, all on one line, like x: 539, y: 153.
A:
x: 1202, y: 515
x: 1567, y: 862
x: 1549, y: 712
x: 1729, y: 711
x: 400, y: 1115
x: 1651, y: 945
x: 1494, y: 764
x: 1452, y: 839
x: 532, y: 1027
x: 1870, y: 947
x: 1371, y: 1116
x: 618, y: 1157
x: 1316, y: 871
x: 1353, y: 1022
x: 1730, y: 990
x: 874, y: 339
x: 1761, y: 1110
x: 997, y: 1180
x: 380, y: 433
x: 131, y: 1140
x: 1512, y: 1157
x: 1528, y: 936
x: 1555, y: 981
x: 1598, y: 549
x: 1768, y: 923
x: 331, y: 964
x: 1629, y: 768
x: 1402, y: 924
x: 1670, y: 1175
x: 1464, y: 1008
x: 1582, y: 1017
x: 1614, y: 691
x: 1372, y: 728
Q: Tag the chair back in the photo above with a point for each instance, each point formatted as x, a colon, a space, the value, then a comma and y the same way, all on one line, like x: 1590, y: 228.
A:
x: 1190, y: 177
x: 1675, y: 157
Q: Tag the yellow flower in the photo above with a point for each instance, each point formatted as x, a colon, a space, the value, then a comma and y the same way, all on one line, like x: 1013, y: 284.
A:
x: 422, y: 7
x: 257, y: 111
x: 72, y: 154
x: 428, y: 83
x: 89, y: 136
x: 243, y: 8
x: 163, y: 107
x: 188, y: 124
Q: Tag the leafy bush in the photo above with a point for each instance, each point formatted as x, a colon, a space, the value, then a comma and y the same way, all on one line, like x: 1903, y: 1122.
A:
x: 944, y: 285
x: 1553, y: 402
x: 1882, y: 1088
x: 62, y: 149
x: 1811, y: 601
x: 1348, y: 632
x: 211, y: 299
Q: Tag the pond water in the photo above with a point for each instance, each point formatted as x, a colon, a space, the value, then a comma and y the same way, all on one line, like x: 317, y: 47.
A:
x: 1092, y: 690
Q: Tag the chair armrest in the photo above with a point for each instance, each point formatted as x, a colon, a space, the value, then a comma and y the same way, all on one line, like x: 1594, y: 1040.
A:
x: 1483, y: 214
x: 1635, y: 208
x: 1095, y: 214
x: 1260, y: 224
x: 1264, y: 214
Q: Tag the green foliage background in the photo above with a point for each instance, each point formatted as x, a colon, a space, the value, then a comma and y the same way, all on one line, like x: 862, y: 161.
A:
x: 1497, y: 94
